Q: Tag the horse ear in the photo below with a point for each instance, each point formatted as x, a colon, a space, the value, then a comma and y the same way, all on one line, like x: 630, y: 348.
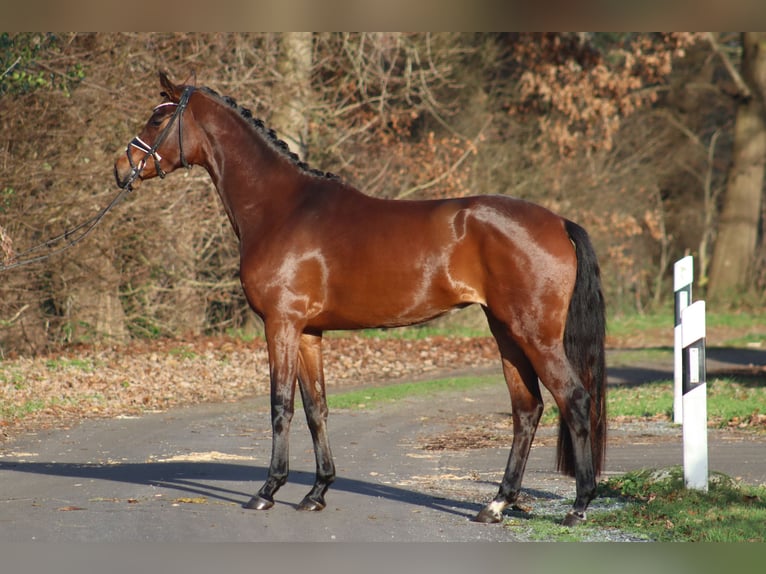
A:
x: 172, y: 91
x: 191, y: 80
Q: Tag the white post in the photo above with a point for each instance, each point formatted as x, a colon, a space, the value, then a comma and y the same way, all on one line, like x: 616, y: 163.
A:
x: 694, y: 397
x: 683, y: 276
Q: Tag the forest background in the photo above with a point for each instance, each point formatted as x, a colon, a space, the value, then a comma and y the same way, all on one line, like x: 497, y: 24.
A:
x: 655, y: 143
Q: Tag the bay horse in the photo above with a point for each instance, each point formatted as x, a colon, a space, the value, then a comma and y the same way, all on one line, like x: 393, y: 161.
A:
x: 316, y: 254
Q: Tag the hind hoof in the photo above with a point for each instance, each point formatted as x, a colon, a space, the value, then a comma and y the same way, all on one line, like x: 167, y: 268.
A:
x: 311, y: 505
x: 574, y: 518
x: 488, y: 516
x: 259, y: 503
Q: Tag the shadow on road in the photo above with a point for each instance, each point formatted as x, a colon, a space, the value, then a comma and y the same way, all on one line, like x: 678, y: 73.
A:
x: 194, y: 478
x: 747, y: 365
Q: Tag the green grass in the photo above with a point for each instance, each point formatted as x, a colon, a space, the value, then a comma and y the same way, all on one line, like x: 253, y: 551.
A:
x: 734, y: 320
x: 752, y: 340
x: 470, y: 323
x: 661, y: 320
x: 12, y: 412
x: 643, y: 401
x: 654, y: 505
x: 373, y: 396
x: 59, y: 364
x: 729, y: 402
x: 621, y: 325
x: 659, y: 506
x: 734, y: 402
x: 412, y: 333
x: 183, y: 353
x: 27, y: 408
x: 622, y: 358
x: 618, y: 325
x: 418, y: 332
x: 10, y: 376
x: 545, y: 527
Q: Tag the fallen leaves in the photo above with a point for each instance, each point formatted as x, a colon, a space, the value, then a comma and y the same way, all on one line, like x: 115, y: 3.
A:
x: 204, y: 457
x: 147, y: 376
x: 189, y: 500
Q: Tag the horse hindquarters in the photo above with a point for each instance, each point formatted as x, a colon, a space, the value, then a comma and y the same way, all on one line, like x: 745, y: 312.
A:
x: 556, y: 319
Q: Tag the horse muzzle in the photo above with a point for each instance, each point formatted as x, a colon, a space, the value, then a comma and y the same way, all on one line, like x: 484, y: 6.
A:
x: 126, y: 177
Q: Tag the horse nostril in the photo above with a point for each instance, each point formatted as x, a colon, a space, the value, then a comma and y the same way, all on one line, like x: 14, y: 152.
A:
x: 122, y: 182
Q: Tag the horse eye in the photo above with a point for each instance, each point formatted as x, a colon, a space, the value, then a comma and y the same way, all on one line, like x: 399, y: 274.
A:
x: 156, y: 120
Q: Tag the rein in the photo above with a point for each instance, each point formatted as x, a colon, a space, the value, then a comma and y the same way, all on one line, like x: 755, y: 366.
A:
x: 73, y: 236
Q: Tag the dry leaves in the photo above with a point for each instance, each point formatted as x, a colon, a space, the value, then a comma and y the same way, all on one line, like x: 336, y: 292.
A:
x: 60, y: 389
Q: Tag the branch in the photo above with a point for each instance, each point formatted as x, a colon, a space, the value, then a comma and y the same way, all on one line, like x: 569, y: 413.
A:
x: 742, y: 88
x: 9, y: 322
x: 8, y: 71
x: 680, y: 126
x: 471, y: 149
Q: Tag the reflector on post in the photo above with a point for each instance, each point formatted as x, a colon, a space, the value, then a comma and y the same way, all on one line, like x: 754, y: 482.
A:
x: 694, y: 397
x: 683, y: 276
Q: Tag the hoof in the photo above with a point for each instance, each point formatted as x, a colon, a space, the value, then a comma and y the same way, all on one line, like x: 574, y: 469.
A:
x: 574, y: 518
x: 487, y: 516
x: 259, y: 503
x: 311, y: 505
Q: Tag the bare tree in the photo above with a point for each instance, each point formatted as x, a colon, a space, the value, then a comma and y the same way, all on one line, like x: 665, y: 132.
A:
x: 291, y: 114
x: 735, y: 246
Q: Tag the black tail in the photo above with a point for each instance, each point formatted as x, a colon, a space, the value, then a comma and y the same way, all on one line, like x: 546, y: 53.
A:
x: 584, y: 340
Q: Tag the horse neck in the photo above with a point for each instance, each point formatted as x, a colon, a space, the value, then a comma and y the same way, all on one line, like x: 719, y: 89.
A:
x: 256, y: 183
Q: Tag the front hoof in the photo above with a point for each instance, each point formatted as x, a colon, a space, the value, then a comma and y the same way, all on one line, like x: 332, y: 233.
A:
x: 311, y: 504
x: 574, y: 518
x: 259, y: 503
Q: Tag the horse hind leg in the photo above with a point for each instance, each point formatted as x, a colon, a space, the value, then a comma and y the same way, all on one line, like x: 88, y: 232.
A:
x: 312, y: 386
x: 527, y: 408
x: 575, y: 409
x: 574, y: 404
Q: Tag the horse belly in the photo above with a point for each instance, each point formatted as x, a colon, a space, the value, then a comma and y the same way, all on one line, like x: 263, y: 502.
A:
x: 403, y: 296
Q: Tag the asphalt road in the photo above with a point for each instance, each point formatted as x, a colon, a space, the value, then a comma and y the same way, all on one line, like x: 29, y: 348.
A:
x: 183, y: 475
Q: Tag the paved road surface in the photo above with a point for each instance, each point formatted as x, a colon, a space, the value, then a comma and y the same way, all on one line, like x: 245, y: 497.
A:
x: 183, y: 475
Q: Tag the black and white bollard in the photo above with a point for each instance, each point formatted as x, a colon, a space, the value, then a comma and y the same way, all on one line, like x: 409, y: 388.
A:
x: 683, y: 276
x: 694, y: 397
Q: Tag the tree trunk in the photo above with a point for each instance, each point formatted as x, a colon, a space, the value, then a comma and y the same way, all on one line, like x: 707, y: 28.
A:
x: 188, y: 304
x: 734, y: 252
x: 93, y: 307
x: 290, y: 115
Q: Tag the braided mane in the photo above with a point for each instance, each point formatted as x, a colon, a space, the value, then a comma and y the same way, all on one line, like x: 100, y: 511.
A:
x: 269, y: 135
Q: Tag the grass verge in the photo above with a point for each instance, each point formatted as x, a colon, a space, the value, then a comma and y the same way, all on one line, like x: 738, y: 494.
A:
x: 731, y: 403
x: 653, y: 505
x: 660, y: 507
x: 372, y: 396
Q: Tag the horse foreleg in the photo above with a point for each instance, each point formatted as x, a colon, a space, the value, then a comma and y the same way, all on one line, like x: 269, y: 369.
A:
x: 282, y: 342
x: 311, y: 380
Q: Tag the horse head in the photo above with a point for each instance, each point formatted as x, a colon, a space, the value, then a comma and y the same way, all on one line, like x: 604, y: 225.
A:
x: 169, y: 138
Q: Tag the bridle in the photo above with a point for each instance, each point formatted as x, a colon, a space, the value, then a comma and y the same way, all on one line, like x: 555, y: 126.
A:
x: 151, y: 151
